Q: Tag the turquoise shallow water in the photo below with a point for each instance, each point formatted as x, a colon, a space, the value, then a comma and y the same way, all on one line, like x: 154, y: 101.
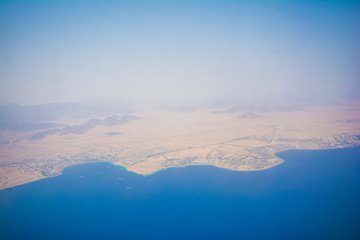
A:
x: 313, y: 195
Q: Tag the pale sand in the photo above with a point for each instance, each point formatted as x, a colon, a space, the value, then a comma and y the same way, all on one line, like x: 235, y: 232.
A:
x: 163, y: 140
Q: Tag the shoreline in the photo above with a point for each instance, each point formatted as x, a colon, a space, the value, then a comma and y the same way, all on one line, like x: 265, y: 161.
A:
x: 20, y: 183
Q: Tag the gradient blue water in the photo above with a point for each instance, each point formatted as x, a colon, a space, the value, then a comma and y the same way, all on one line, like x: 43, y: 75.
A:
x: 313, y: 195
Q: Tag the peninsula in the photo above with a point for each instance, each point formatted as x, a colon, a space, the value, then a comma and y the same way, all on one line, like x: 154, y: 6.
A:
x: 240, y: 139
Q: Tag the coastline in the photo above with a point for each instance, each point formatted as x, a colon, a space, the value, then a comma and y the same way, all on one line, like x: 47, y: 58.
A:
x: 320, y: 182
x: 39, y: 178
x: 159, y: 140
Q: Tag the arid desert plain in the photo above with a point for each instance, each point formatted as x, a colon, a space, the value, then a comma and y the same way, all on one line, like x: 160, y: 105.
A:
x: 145, y: 142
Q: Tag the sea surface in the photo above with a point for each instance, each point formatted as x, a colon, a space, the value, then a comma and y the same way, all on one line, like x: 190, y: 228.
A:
x: 314, y: 194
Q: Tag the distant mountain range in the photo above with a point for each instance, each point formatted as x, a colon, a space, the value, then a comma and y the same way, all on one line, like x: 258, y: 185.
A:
x: 249, y: 115
x: 80, y: 129
x: 15, y: 117
x: 261, y: 108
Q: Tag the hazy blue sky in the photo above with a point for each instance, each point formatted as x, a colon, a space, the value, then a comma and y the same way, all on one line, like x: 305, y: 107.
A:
x: 61, y: 51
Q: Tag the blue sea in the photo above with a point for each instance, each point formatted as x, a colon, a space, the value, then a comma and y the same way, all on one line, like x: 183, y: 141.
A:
x: 314, y: 194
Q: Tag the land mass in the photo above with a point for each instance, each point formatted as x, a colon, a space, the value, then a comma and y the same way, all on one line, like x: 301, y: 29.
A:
x: 148, y: 141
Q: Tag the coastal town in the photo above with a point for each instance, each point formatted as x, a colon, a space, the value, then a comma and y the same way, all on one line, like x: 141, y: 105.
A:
x: 241, y: 154
x: 145, y: 142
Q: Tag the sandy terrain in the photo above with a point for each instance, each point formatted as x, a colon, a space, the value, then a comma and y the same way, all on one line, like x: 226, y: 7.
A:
x: 161, y: 139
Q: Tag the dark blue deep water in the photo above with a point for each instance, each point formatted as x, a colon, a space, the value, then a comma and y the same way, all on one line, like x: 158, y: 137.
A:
x: 313, y: 195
